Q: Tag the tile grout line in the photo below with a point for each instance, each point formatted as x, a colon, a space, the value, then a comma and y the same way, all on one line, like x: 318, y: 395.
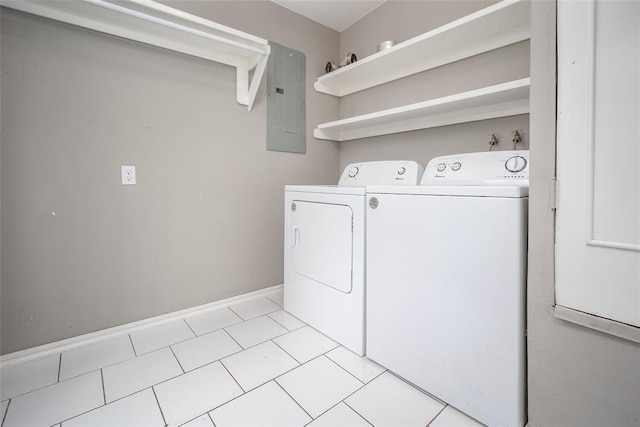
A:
x: 93, y: 370
x: 177, y: 360
x: 437, y: 415
x: 365, y: 383
x: 195, y: 418
x: 234, y: 379
x: 168, y: 345
x: 192, y: 331
x: 269, y: 380
x: 208, y: 412
x: 290, y: 330
x: 243, y: 319
x: 292, y: 398
x: 289, y: 354
x: 342, y: 401
x: 189, y: 326
x: 135, y: 353
x: 353, y: 409
x: 343, y: 368
x: 42, y: 387
x: 149, y: 386
x: 425, y: 392
x: 259, y: 315
x: 104, y: 393
x: 80, y: 414
x: 153, y: 390
x: 6, y: 411
x: 234, y: 340
x: 294, y: 368
x: 171, y: 378
x: 350, y: 394
x: 377, y: 376
x: 355, y: 391
x: 274, y: 378
x: 275, y: 302
x: 209, y: 415
x: 59, y: 367
x: 275, y: 320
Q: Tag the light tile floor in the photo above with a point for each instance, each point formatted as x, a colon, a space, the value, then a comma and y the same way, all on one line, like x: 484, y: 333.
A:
x: 250, y: 364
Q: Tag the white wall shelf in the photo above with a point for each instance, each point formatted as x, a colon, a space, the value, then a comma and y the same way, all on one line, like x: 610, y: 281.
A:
x: 502, y: 100
x: 158, y: 25
x: 496, y: 26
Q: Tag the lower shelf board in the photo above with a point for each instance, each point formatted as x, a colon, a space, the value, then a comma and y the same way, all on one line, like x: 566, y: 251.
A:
x: 502, y: 100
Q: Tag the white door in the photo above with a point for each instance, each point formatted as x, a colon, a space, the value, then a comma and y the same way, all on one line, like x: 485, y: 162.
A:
x: 598, y: 142
x: 321, y: 239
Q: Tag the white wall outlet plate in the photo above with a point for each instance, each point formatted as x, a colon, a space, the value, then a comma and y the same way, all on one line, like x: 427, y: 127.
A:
x: 128, y: 175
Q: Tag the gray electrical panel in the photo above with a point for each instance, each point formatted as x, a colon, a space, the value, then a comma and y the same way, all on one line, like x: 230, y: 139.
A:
x: 286, y: 105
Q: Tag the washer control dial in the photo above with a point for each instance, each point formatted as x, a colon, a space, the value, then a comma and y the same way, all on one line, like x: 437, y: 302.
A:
x: 353, y: 171
x: 456, y: 166
x: 441, y: 167
x: 515, y: 164
x: 402, y: 170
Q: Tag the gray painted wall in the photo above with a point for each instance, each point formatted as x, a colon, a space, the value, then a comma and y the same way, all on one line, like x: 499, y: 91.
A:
x: 399, y: 21
x: 82, y: 253
x: 577, y: 376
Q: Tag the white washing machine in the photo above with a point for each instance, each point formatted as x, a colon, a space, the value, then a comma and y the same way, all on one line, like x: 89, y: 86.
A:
x: 446, y: 282
x: 324, y: 254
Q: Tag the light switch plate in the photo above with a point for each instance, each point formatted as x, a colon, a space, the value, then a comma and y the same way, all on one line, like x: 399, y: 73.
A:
x: 128, y: 175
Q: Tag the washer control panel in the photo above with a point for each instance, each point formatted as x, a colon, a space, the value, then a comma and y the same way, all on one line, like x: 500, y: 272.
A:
x: 391, y: 172
x: 485, y: 168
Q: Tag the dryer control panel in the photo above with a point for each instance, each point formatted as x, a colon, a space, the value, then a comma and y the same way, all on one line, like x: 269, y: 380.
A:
x: 391, y: 172
x: 485, y: 168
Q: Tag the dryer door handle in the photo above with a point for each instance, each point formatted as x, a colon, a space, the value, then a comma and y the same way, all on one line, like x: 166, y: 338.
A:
x: 295, y: 236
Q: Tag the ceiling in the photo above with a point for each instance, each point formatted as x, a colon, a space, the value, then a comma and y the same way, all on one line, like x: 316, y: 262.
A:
x: 335, y: 14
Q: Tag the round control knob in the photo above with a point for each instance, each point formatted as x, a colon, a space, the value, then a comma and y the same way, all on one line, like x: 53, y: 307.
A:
x: 402, y: 170
x: 515, y: 164
x: 353, y: 171
x: 456, y: 166
x: 441, y: 167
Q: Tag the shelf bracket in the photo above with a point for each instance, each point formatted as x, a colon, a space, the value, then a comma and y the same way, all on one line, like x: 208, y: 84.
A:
x: 246, y: 92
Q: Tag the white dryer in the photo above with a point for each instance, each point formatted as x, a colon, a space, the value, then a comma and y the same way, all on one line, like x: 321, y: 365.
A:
x: 324, y: 251
x: 446, y: 282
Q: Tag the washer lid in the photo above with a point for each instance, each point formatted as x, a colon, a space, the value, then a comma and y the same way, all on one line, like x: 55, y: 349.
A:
x: 327, y: 189
x: 453, y: 190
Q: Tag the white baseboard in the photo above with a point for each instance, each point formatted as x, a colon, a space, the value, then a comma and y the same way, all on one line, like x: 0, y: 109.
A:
x: 82, y: 340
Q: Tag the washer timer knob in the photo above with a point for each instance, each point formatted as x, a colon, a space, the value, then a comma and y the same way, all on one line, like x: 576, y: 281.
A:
x: 402, y: 170
x: 515, y: 164
x: 456, y: 166
x: 441, y: 167
x: 353, y: 171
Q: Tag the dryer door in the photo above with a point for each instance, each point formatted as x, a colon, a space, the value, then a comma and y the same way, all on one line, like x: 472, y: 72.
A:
x: 321, y: 239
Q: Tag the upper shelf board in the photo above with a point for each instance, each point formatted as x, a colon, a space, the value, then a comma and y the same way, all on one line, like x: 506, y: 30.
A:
x: 496, y: 26
x: 502, y: 100
x: 155, y: 24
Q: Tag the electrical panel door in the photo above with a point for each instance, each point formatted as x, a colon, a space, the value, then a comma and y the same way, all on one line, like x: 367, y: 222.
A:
x: 286, y: 127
